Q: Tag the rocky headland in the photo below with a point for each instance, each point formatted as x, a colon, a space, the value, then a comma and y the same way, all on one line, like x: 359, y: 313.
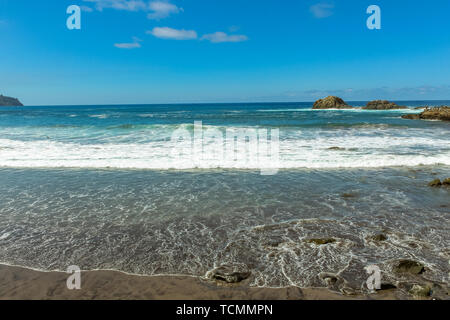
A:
x: 9, y: 102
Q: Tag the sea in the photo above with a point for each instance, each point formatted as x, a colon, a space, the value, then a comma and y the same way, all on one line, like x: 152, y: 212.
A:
x: 108, y: 187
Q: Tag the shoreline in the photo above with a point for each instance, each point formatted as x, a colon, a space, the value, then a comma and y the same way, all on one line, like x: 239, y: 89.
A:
x: 20, y: 283
x: 194, y: 103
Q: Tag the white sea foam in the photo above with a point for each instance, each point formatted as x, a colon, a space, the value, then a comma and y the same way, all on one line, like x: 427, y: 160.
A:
x: 99, y: 116
x: 374, y: 148
x: 5, y: 236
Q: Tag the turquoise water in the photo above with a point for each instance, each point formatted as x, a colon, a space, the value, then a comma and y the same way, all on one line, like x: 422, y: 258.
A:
x: 140, y: 136
x: 94, y: 187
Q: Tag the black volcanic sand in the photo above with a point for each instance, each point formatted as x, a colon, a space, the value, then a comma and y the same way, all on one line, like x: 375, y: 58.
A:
x: 20, y: 283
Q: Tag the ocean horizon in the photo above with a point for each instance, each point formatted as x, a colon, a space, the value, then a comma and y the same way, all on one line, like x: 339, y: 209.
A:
x: 357, y: 103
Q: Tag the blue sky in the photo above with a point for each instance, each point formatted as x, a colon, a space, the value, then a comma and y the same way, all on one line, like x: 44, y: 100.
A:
x: 223, y: 51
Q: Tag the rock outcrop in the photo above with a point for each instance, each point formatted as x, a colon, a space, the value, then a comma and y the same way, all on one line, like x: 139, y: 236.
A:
x: 9, y: 102
x: 336, y: 149
x: 436, y: 113
x: 382, y: 105
x: 320, y: 242
x: 331, y: 102
x: 379, y: 237
x: 409, y: 266
x: 437, y: 183
x: 411, y: 116
x: 348, y: 195
x: 420, y: 291
x: 230, y: 274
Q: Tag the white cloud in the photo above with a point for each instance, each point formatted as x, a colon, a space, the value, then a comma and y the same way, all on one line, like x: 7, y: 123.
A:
x: 86, y: 9
x: 173, y: 34
x: 127, y: 5
x: 158, y: 9
x: 322, y: 10
x: 362, y: 94
x: 218, y: 37
x: 162, y: 9
x: 130, y: 45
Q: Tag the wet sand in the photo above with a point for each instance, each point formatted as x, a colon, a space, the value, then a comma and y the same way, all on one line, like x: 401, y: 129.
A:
x: 24, y: 284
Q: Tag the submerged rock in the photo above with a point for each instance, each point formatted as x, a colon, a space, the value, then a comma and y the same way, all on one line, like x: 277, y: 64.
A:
x: 348, y: 291
x: 435, y: 183
x: 409, y: 266
x: 331, y: 102
x: 332, y: 281
x: 379, y: 237
x: 229, y: 273
x: 329, y: 279
x: 387, y: 286
x: 336, y: 149
x: 348, y: 195
x: 413, y: 116
x: 382, y: 105
x: 436, y: 113
x: 322, y: 241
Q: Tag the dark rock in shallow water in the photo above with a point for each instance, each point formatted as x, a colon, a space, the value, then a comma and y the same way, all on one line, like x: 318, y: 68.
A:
x: 379, y: 237
x: 348, y: 195
x: 435, y: 183
x: 348, y: 291
x: 321, y: 241
x: 9, y: 102
x: 331, y: 102
x: 411, y: 116
x: 387, y: 286
x: 409, y: 266
x: 382, y: 105
x: 332, y: 281
x: 229, y: 273
x: 336, y: 149
x: 436, y: 113
x: 420, y: 291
